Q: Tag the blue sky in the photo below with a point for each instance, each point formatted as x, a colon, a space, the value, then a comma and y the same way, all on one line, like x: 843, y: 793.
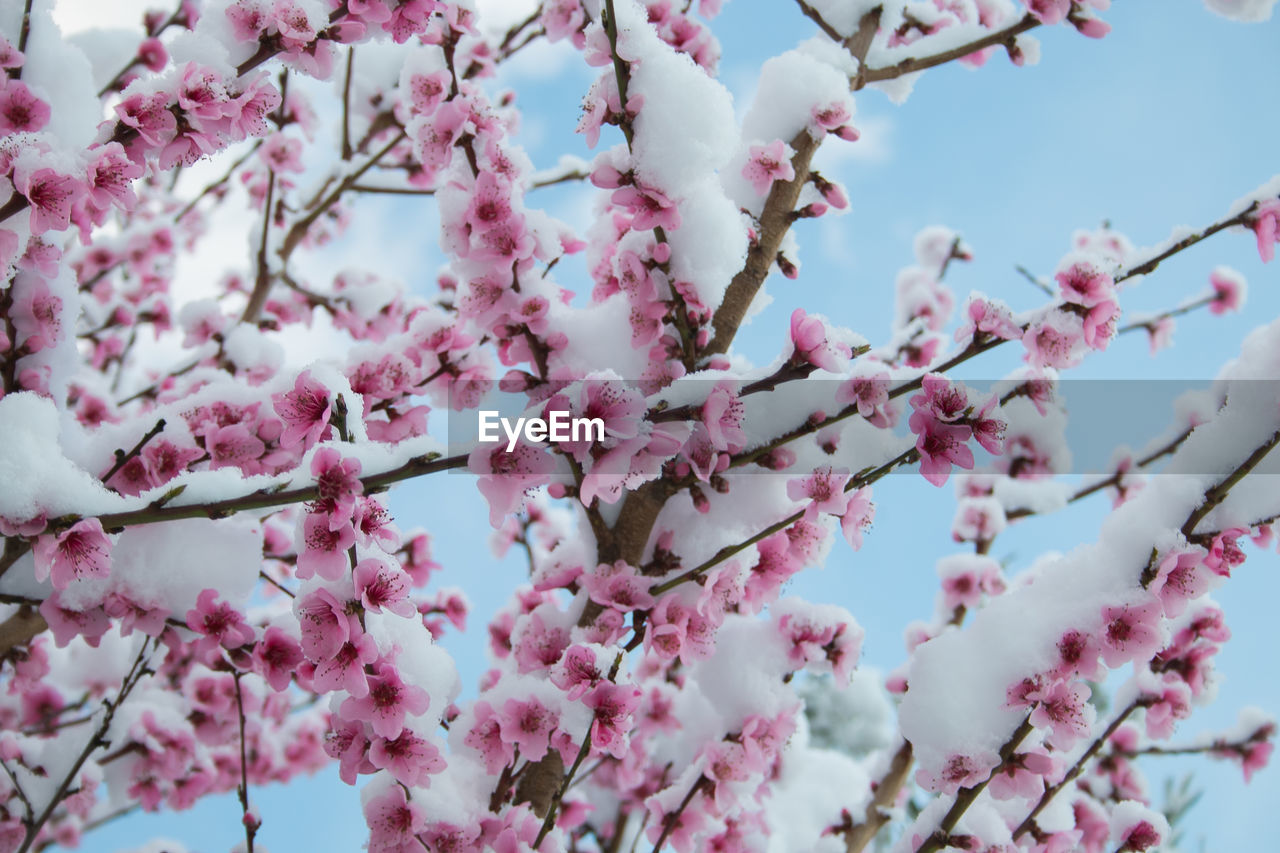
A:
x: 1165, y: 122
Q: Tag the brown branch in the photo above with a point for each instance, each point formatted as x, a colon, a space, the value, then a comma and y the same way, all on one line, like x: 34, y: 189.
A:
x: 122, y: 458
x: 1075, y: 771
x: 1007, y: 37
x: 98, y: 739
x: 965, y: 796
x: 250, y: 822
x: 1187, y: 242
x: 877, y: 815
x: 262, y: 280
x: 299, y: 229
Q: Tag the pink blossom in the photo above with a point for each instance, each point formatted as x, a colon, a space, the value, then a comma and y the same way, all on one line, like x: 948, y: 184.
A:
x: 394, y: 822
x: 81, y: 551
x: 325, y: 623
x: 824, y: 489
x: 527, y: 725
x: 345, y: 670
x: 66, y: 623
x: 649, y: 207
x: 1064, y: 708
x: 722, y: 414
x: 1131, y: 632
x: 1228, y: 290
x: 410, y: 759
x: 1023, y: 775
x: 304, y: 410
x: 576, y: 672
x: 1078, y: 654
x: 1181, y: 576
x: 218, y: 623
x: 858, y: 516
x: 486, y: 738
x: 1266, y: 227
x: 507, y: 477
x: 1053, y: 341
x: 51, y: 195
x: 766, y: 164
x: 275, y: 657
x: 324, y: 550
x: 869, y: 393
x: 619, y: 586
x: 1084, y: 284
x: 337, y: 486
x: 614, y: 705
x: 1141, y: 836
x: 382, y: 586
x: 1049, y: 12
x: 940, y: 445
x: 389, y: 700
x: 21, y: 111
x: 1224, y: 553
x: 233, y: 446
x: 959, y: 771
x: 811, y: 344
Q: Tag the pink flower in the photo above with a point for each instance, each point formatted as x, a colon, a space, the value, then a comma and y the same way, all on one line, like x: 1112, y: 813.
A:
x: 81, y: 551
x: 1023, y: 775
x: 766, y: 164
x: 649, y: 208
x: 325, y: 624
x: 275, y: 657
x: 304, y: 410
x: 345, y: 670
x: 1053, y: 341
x: 394, y: 822
x: 527, y: 725
x: 810, y: 344
x: 1224, y: 553
x: 858, y: 516
x: 110, y: 178
x: 577, y: 672
x: 959, y: 771
x: 486, y: 738
x: 722, y: 414
x: 619, y: 586
x: 410, y: 759
x: 1228, y: 290
x: 233, y: 445
x: 1180, y: 577
x: 51, y: 195
x: 1266, y: 227
x: 1131, y: 632
x: 507, y: 477
x: 1049, y: 12
x: 1141, y: 836
x: 940, y: 445
x: 1160, y: 333
x: 1084, y: 284
x: 614, y: 705
x: 21, y: 111
x: 337, y: 485
x: 869, y: 393
x: 389, y: 700
x: 218, y: 623
x: 823, y: 488
x: 324, y: 550
x: 1064, y: 708
x: 382, y: 586
x: 1078, y: 655
x: 36, y: 314
x: 67, y: 623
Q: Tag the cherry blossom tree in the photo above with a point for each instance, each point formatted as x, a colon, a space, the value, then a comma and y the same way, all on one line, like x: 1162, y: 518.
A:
x: 203, y: 588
